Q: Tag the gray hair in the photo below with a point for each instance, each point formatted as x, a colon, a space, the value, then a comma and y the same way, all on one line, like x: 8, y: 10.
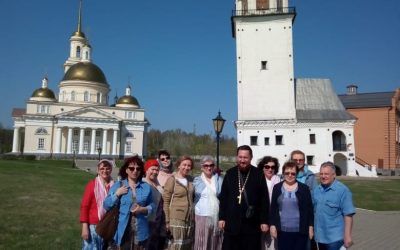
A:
x: 330, y: 165
x: 206, y: 158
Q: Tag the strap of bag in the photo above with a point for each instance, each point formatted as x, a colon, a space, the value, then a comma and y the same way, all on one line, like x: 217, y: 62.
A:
x: 173, y: 192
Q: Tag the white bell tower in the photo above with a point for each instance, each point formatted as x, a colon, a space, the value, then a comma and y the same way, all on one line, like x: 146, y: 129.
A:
x: 264, y: 55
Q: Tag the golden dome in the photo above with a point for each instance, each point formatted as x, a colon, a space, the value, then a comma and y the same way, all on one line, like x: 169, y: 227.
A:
x: 128, y: 99
x: 44, y: 92
x: 85, y: 71
x: 79, y: 33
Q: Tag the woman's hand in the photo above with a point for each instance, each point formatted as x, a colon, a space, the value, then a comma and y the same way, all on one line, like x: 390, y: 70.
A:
x: 310, y: 232
x: 273, y: 232
x: 122, y: 190
x: 136, y: 209
x: 85, y: 231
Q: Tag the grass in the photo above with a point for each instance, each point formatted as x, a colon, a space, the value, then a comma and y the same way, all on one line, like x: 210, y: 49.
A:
x: 39, y: 206
x: 380, y: 194
x: 40, y: 201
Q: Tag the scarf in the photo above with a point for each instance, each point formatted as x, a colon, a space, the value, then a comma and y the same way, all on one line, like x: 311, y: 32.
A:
x: 213, y: 201
x: 100, y: 193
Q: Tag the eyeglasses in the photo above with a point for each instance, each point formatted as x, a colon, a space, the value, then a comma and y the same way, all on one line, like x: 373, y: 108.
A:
x: 290, y: 173
x: 208, y: 165
x: 134, y: 168
x: 165, y: 158
x: 269, y: 167
x: 298, y: 160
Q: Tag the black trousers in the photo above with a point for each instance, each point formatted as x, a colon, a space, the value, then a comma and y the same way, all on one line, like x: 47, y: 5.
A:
x: 241, y: 241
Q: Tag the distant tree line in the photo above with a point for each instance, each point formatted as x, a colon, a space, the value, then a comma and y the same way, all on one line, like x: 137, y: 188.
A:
x: 179, y: 142
x: 6, y: 138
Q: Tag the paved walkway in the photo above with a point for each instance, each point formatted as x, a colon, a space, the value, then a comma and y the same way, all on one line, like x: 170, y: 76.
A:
x: 371, y: 230
x: 376, y: 230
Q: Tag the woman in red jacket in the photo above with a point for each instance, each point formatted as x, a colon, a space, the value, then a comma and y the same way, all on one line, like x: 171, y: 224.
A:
x: 92, y: 205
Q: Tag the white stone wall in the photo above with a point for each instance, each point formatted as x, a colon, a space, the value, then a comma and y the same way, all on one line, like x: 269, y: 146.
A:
x: 265, y: 93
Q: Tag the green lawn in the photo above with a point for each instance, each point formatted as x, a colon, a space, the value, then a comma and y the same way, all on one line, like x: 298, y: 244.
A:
x: 40, y: 200
x: 39, y: 206
x: 380, y: 194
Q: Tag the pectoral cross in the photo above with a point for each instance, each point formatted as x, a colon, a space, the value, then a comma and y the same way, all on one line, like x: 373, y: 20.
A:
x: 239, y: 198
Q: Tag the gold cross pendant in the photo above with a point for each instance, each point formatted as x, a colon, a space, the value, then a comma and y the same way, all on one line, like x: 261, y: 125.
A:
x: 239, y: 198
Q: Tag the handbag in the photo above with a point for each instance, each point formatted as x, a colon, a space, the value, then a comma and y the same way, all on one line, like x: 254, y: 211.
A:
x: 108, y: 224
x: 250, y: 208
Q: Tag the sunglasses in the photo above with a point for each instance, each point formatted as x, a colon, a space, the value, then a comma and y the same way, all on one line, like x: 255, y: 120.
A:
x: 134, y: 168
x: 165, y: 158
x: 290, y: 173
x: 268, y: 167
x: 208, y: 165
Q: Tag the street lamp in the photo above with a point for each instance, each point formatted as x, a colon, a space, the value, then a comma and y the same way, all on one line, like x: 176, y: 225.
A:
x: 99, y: 151
x: 218, y: 123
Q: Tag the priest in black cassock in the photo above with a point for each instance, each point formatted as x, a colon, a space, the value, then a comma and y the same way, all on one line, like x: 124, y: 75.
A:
x: 244, y: 204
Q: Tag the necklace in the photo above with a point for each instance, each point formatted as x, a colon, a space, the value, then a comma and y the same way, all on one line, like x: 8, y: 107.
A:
x: 241, y: 188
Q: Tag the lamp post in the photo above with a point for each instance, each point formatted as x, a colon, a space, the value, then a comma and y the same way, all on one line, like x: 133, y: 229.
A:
x: 99, y: 151
x: 218, y: 123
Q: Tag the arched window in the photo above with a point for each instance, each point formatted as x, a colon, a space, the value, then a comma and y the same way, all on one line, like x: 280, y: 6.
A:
x: 86, y: 55
x: 73, y: 96
x: 339, y: 141
x: 86, y: 96
x: 98, y: 97
x: 78, y: 51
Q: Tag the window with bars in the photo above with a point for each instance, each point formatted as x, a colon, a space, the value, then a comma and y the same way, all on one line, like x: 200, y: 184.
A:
x: 40, y: 143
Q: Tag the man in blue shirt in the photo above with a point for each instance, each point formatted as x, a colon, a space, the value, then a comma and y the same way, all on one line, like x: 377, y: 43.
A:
x: 334, y: 210
x: 304, y: 175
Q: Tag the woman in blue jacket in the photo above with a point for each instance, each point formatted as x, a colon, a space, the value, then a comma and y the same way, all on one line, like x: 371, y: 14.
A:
x: 135, y: 199
x: 207, y: 187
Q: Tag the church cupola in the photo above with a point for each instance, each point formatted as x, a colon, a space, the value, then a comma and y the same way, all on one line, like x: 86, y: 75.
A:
x: 127, y: 100
x: 43, y: 93
x: 80, y: 50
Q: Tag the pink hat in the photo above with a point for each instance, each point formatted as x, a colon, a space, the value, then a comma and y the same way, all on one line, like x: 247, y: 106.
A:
x: 150, y: 163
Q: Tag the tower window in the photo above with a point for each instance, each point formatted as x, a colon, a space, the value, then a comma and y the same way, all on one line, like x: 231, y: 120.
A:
x: 310, y: 160
x: 253, y: 140
x: 98, y: 97
x: 279, y: 139
x: 73, y: 96
x: 86, y: 96
x: 78, y: 52
x: 264, y: 65
x: 312, y: 138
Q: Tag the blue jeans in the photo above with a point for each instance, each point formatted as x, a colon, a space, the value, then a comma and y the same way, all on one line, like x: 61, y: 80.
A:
x: 331, y: 246
x: 95, y: 242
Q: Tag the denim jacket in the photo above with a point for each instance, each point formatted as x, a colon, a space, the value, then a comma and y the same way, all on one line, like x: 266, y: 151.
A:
x: 143, y: 198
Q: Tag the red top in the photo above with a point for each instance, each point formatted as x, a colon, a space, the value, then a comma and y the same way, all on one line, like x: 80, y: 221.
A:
x: 89, y: 206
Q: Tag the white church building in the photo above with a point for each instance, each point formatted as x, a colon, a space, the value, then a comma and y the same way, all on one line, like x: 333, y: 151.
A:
x: 80, y: 120
x: 276, y: 112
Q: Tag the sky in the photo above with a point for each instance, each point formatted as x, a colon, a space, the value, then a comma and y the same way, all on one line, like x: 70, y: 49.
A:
x: 179, y: 56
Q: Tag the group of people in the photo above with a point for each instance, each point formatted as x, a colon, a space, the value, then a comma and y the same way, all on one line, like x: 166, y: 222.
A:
x: 162, y: 207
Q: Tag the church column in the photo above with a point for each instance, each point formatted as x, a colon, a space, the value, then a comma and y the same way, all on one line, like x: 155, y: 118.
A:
x: 69, y: 141
x: 92, y: 142
x: 58, y: 141
x: 15, y: 148
x: 81, y: 134
x: 104, y: 147
x: 114, y: 144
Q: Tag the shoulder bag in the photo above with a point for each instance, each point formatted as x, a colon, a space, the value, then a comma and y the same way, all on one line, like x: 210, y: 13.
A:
x: 108, y: 224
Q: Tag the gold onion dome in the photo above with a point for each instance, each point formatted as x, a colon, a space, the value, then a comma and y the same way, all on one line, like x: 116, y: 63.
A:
x: 85, y: 71
x: 128, y: 99
x: 44, y: 92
